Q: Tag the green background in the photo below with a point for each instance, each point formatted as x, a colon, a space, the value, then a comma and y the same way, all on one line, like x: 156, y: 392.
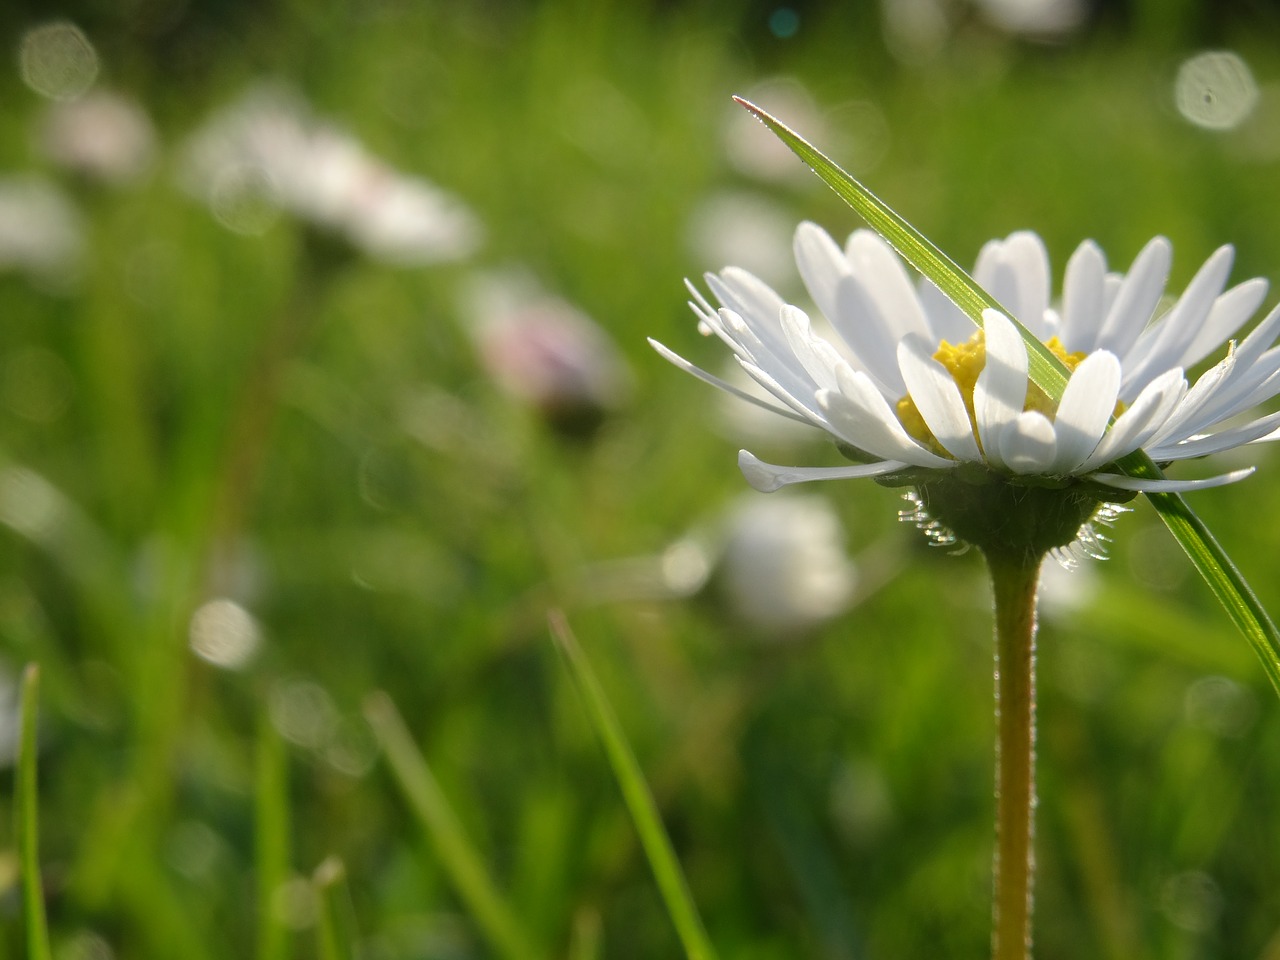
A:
x: 399, y: 524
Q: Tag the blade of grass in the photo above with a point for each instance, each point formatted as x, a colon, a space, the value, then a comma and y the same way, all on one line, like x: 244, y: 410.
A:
x: 1048, y: 372
x: 458, y: 856
x: 27, y: 809
x: 271, y: 837
x: 639, y: 800
x: 335, y: 927
x: 1225, y: 581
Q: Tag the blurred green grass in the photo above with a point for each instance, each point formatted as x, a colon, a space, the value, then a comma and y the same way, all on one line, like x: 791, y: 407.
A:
x: 406, y: 526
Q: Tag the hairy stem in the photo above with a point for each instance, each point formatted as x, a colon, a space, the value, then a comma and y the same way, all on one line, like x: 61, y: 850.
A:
x: 1014, y: 582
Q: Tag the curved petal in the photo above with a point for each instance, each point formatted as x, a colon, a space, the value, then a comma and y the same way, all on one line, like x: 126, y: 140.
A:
x: 1136, y: 298
x: 1133, y: 427
x: 672, y: 357
x: 1001, y: 390
x: 1163, y: 345
x: 1217, y: 442
x: 768, y: 477
x: 1228, y: 315
x: 938, y: 399
x: 861, y: 416
x: 1141, y: 485
x: 1085, y: 410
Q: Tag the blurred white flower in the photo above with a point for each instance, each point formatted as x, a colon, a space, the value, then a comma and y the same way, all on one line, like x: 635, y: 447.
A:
x: 1037, y: 19
x: 784, y: 565
x: 103, y: 136
x: 269, y: 148
x: 748, y: 229
x: 40, y: 231
x: 542, y: 350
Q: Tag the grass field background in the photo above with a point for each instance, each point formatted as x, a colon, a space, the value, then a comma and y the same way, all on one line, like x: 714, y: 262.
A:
x: 192, y: 414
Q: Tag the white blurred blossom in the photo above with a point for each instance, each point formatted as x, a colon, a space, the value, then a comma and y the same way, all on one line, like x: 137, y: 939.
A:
x: 103, y: 136
x: 1037, y: 19
x: 748, y: 229
x: 784, y: 565
x: 41, y: 233
x: 268, y: 149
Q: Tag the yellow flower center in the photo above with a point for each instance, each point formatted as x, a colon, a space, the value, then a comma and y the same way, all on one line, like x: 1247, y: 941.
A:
x: 965, y: 361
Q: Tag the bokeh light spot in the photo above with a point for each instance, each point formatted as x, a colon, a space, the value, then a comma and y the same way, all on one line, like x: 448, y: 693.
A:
x: 224, y: 633
x: 1215, y: 90
x: 784, y: 23
x: 56, y: 60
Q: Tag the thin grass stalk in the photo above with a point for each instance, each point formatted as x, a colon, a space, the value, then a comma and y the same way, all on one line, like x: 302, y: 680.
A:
x: 27, y: 810
x: 335, y: 924
x: 271, y: 837
x: 458, y: 856
x: 639, y: 799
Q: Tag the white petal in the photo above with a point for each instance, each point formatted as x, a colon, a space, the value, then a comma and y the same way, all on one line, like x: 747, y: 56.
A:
x: 1087, y: 404
x: 1133, y: 427
x: 1084, y: 298
x: 886, y: 280
x: 946, y: 320
x: 800, y: 400
x: 1028, y: 444
x: 1228, y: 315
x: 871, y: 334
x: 1163, y: 345
x: 1254, y: 432
x: 768, y: 477
x: 1001, y: 390
x: 818, y: 357
x: 687, y: 367
x: 1121, y: 482
x: 1136, y: 298
x: 1016, y: 272
x: 938, y: 399
x: 1189, y: 417
x: 822, y: 265
x: 860, y: 415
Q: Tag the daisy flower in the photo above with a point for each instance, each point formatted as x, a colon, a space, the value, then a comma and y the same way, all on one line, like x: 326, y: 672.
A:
x: 911, y: 391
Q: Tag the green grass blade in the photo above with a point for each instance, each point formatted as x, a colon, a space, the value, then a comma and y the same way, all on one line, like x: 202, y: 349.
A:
x: 1046, y: 370
x: 27, y: 809
x: 458, y: 856
x: 271, y: 837
x: 644, y: 812
x: 335, y: 926
x: 1210, y: 560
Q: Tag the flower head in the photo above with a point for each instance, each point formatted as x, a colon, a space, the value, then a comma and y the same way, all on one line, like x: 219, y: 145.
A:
x: 912, y: 392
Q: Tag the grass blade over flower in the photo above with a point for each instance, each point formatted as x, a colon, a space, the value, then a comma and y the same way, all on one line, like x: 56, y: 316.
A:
x: 1173, y: 340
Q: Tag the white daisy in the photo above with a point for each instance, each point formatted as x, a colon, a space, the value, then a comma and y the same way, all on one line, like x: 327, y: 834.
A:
x: 907, y: 386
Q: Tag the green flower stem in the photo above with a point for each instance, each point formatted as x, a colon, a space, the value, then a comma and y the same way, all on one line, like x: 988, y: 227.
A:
x: 1013, y: 579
